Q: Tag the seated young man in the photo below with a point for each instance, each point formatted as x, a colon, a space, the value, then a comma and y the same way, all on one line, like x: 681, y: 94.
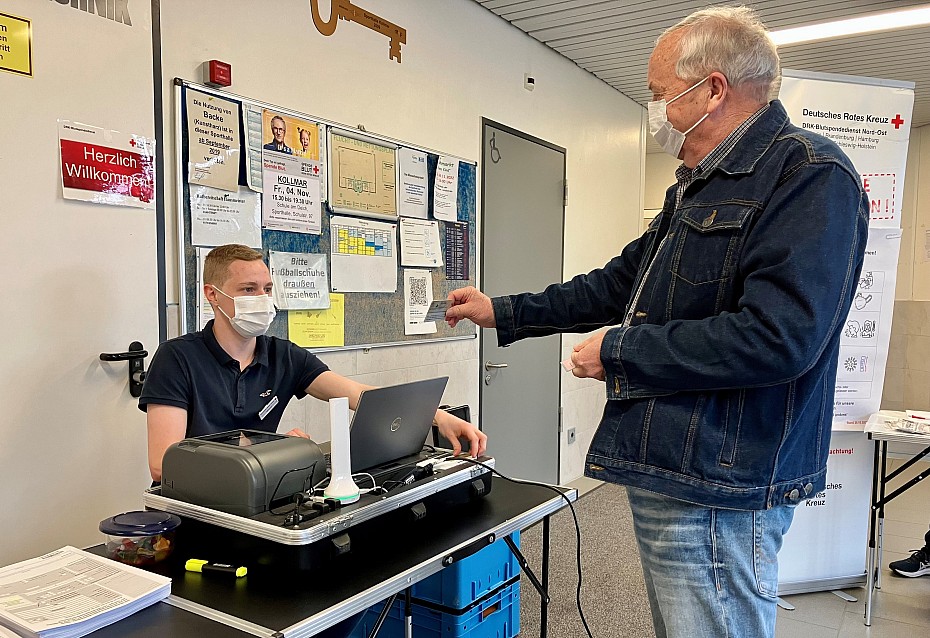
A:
x: 230, y: 375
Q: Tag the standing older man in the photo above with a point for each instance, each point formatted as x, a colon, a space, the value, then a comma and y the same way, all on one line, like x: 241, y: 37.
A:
x: 728, y: 311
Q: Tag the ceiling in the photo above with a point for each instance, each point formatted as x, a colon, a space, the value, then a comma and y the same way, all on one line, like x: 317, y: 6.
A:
x: 613, y: 39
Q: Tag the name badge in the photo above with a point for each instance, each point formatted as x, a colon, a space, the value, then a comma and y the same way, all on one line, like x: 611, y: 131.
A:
x: 268, y: 408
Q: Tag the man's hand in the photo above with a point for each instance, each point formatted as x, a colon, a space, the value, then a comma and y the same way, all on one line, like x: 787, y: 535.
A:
x: 587, y: 358
x: 470, y: 303
x: 298, y: 432
x: 452, y: 427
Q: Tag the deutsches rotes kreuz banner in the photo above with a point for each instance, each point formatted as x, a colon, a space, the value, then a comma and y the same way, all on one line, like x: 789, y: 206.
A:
x: 871, y: 121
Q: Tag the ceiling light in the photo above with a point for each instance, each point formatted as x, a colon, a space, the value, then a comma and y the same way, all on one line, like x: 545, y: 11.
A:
x: 853, y: 26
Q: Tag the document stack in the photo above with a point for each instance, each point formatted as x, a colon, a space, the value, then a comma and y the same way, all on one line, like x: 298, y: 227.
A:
x: 69, y: 593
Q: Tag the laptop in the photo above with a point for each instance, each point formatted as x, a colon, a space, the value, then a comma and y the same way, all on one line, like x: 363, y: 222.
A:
x: 391, y: 424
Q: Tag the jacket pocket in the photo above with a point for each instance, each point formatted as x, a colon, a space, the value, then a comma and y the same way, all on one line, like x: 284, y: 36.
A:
x: 709, y: 241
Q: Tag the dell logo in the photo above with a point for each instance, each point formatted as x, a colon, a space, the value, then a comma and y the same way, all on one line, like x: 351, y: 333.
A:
x: 395, y: 425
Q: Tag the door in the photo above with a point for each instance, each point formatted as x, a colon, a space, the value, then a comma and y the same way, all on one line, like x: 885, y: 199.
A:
x: 523, y: 195
x: 81, y: 280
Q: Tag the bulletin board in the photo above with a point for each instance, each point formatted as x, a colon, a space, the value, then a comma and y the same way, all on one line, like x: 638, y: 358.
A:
x: 370, y: 318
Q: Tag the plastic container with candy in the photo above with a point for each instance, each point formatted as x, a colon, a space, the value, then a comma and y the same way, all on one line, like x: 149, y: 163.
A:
x: 140, y: 538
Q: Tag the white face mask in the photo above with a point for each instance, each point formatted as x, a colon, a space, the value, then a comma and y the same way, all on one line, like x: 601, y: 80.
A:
x: 254, y: 314
x: 666, y: 135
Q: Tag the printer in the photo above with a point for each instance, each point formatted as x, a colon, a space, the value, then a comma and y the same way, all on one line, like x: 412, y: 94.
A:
x: 241, y: 472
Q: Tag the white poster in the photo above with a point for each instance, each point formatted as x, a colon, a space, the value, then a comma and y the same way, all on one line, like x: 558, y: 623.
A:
x: 418, y: 295
x: 253, y: 146
x: 413, y: 185
x: 213, y: 140
x: 219, y: 217
x: 364, y: 255
x: 860, y: 376
x: 300, y: 281
x: 828, y: 537
x: 104, y: 166
x: 419, y: 241
x: 870, y: 120
x: 445, y: 193
x: 291, y: 196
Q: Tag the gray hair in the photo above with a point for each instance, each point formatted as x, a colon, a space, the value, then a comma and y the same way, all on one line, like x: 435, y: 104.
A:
x: 731, y: 40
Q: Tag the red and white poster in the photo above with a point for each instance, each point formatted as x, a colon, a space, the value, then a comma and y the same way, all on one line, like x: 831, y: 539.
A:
x: 106, y: 167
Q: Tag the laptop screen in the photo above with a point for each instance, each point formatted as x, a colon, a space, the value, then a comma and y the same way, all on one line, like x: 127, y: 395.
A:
x: 393, y: 422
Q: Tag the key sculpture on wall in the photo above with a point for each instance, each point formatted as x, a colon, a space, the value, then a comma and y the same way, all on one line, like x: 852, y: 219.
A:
x: 345, y: 10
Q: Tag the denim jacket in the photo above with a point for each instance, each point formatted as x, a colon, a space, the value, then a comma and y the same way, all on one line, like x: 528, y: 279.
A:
x: 720, y: 389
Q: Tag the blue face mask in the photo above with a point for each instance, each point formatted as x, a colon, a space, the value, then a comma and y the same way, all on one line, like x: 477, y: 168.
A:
x: 667, y: 136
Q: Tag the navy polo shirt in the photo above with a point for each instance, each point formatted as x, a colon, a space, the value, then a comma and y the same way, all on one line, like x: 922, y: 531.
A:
x: 195, y: 373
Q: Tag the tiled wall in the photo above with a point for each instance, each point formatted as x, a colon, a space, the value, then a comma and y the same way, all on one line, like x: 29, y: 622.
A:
x: 457, y: 360
x: 907, y: 374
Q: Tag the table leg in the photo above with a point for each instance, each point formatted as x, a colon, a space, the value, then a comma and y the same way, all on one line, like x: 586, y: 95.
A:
x: 408, y: 615
x: 870, y: 563
x: 544, y: 605
x: 881, y: 515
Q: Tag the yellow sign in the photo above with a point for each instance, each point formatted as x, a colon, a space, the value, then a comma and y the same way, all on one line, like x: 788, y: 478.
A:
x: 319, y: 328
x: 363, y: 176
x: 15, y: 44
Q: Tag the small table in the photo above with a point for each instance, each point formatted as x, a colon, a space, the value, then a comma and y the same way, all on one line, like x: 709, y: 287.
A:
x: 298, y: 605
x: 879, y: 430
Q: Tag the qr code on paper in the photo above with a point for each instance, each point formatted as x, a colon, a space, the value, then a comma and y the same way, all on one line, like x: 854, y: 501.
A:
x: 418, y: 292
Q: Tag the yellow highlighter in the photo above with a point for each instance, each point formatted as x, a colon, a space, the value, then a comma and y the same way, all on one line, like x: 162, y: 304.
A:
x: 206, y: 567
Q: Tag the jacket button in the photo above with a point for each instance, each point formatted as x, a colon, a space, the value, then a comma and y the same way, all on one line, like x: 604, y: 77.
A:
x: 794, y: 495
x: 808, y: 488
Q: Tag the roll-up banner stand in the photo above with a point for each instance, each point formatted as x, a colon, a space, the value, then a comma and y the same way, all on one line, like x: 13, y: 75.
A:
x: 870, y: 120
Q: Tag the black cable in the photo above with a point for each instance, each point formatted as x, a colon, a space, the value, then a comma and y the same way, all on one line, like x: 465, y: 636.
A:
x: 571, y: 507
x: 311, y: 467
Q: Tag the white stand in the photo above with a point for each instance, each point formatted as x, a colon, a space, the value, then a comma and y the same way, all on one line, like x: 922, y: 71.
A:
x: 341, y: 486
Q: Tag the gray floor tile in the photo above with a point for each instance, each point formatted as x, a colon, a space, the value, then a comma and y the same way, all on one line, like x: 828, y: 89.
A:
x: 820, y: 608
x: 853, y: 627
x: 889, y: 606
x: 789, y: 628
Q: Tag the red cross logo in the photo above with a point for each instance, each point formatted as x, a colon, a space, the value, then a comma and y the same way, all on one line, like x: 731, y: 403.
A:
x: 316, y: 169
x: 897, y: 121
x: 132, y: 143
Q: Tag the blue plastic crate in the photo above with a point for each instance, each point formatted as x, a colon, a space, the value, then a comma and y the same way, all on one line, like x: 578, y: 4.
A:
x: 497, y: 616
x: 464, y: 582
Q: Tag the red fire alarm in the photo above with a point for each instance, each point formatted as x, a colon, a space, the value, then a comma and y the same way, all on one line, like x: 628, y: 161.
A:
x: 216, y: 73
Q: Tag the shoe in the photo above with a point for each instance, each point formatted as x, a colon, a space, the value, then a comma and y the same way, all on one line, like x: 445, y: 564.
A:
x: 917, y: 565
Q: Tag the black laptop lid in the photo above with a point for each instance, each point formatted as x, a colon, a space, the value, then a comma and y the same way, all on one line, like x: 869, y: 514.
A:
x: 393, y: 422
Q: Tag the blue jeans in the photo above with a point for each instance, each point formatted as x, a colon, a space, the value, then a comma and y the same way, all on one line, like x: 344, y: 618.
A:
x: 710, y: 572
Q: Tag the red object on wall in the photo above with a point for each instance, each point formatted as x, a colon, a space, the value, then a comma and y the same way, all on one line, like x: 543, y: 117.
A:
x: 217, y: 73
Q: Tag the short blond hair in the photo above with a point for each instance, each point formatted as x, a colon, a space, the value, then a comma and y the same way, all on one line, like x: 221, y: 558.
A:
x: 216, y: 265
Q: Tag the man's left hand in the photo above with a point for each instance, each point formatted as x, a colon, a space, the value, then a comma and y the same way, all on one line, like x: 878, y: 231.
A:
x: 298, y: 432
x: 451, y: 427
x: 587, y: 358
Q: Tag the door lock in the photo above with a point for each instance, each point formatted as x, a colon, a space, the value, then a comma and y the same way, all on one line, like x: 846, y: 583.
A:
x: 135, y: 357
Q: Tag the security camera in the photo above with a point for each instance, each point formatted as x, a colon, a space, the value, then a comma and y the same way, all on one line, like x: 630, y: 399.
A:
x: 529, y: 82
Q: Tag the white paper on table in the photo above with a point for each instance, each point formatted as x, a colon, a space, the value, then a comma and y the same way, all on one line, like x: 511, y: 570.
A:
x: 413, y: 183
x: 204, y: 309
x: 300, y: 281
x: 363, y: 255
x: 88, y: 591
x: 419, y: 241
x: 418, y: 295
x: 291, y: 194
x: 219, y: 217
x: 445, y: 193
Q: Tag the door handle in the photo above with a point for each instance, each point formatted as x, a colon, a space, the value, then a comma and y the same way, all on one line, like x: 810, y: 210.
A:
x: 135, y: 357
x: 494, y: 366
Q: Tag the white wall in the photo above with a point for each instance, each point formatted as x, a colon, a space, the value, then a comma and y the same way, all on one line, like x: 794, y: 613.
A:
x: 461, y: 63
x: 81, y: 282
